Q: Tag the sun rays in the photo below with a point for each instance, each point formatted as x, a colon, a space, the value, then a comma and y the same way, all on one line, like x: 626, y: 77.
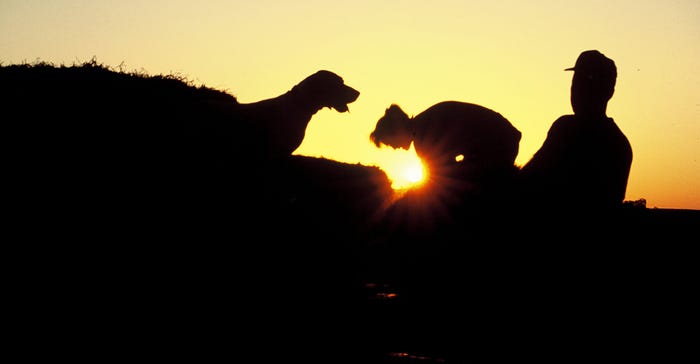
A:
x: 407, y: 171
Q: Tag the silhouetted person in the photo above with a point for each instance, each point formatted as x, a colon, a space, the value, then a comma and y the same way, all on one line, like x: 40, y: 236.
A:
x: 469, y: 151
x: 584, y: 163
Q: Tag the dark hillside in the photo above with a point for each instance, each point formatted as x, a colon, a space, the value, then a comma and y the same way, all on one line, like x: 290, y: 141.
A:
x: 142, y: 196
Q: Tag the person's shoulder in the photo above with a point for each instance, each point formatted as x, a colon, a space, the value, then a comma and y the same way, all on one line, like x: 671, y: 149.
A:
x: 620, y: 134
x: 565, y: 118
x: 611, y: 123
x: 564, y: 122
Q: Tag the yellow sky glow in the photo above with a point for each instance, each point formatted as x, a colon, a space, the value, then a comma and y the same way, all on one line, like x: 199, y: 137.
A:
x: 507, y: 55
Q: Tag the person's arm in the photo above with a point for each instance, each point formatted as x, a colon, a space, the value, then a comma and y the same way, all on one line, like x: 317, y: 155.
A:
x: 623, y: 173
x: 549, y: 153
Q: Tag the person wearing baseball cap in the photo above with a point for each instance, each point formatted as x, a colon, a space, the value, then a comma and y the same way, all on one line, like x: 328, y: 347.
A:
x: 585, y: 160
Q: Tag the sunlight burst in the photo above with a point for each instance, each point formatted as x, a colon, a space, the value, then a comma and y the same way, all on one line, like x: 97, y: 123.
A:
x: 413, y: 173
x: 404, y: 168
x: 408, y: 174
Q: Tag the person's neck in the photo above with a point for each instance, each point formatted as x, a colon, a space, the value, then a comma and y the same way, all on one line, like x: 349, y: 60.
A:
x: 591, y: 115
x: 589, y: 109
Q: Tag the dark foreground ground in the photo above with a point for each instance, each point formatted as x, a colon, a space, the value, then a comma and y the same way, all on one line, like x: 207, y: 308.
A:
x: 317, y: 277
x: 133, y: 237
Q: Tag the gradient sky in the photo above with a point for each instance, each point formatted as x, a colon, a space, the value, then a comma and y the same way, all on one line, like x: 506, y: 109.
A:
x: 506, y: 55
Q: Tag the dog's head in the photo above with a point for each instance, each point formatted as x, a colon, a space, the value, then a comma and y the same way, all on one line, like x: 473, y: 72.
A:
x: 326, y: 89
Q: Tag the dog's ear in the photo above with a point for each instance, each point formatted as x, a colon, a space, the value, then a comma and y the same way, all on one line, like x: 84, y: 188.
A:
x: 326, y: 89
x: 324, y: 80
x: 329, y: 75
x: 317, y: 85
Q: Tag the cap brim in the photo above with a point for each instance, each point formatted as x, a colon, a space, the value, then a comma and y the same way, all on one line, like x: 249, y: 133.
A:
x: 570, y: 69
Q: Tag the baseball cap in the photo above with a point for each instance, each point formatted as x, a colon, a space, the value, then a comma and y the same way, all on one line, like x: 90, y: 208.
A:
x: 595, y: 65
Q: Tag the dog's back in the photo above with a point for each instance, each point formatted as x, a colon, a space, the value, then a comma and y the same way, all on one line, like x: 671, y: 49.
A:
x: 280, y: 123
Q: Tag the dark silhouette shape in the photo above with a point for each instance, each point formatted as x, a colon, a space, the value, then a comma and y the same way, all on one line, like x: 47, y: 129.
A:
x: 253, y: 135
x: 132, y: 213
x: 282, y: 120
x: 585, y: 155
x: 90, y: 137
x: 469, y: 150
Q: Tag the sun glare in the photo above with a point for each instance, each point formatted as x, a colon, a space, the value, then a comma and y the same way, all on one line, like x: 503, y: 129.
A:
x: 413, y: 173
x: 407, y: 176
x: 406, y: 172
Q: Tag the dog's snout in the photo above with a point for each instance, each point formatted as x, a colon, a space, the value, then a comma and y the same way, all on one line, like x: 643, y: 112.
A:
x: 353, y: 94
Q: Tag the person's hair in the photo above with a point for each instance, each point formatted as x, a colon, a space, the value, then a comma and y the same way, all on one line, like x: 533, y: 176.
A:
x: 392, y: 123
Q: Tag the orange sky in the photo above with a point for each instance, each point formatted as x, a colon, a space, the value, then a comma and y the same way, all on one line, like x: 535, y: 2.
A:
x: 505, y: 55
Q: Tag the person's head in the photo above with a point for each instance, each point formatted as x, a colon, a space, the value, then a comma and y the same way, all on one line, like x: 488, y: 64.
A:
x: 593, y: 83
x: 393, y: 129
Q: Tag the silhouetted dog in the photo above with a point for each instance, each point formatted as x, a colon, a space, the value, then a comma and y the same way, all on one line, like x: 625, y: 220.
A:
x: 280, y: 123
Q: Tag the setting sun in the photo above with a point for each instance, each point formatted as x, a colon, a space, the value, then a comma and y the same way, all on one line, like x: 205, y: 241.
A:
x: 407, y: 176
x: 414, y: 173
x: 406, y: 170
x: 508, y: 56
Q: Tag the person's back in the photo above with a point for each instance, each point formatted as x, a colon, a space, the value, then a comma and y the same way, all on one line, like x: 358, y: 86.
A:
x: 453, y: 134
x: 466, y: 148
x: 469, y: 153
x: 585, y: 161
